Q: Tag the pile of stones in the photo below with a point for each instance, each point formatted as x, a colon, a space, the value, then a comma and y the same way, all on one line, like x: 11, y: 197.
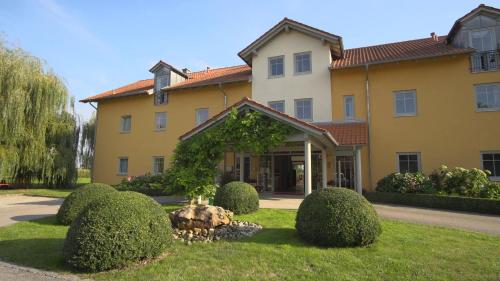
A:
x: 205, y: 224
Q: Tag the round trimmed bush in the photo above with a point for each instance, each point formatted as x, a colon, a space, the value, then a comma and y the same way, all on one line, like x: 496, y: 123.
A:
x: 337, y: 217
x: 117, y: 230
x: 74, y: 204
x: 239, y: 197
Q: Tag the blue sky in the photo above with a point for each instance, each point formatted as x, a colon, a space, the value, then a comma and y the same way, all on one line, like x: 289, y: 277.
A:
x: 100, y: 45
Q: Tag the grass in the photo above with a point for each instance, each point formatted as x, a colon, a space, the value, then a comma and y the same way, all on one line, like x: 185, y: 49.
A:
x: 58, y: 193
x: 404, y: 252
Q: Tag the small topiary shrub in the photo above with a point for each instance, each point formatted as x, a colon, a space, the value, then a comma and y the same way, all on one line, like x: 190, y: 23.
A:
x: 239, y: 197
x: 117, y: 230
x: 337, y: 217
x: 74, y: 204
x: 405, y: 183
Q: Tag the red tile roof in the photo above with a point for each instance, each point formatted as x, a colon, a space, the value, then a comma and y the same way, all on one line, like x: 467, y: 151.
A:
x: 214, y: 77
x: 347, y: 133
x: 398, y: 51
x: 195, y: 79
x: 136, y: 88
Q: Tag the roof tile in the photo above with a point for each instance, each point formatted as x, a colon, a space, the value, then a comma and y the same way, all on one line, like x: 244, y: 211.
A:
x: 398, y: 51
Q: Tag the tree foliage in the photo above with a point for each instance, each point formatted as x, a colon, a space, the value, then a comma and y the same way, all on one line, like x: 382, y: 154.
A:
x: 38, y: 136
x: 195, y: 160
x: 87, y: 143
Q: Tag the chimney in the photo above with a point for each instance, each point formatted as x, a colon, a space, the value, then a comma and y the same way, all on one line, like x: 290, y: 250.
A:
x: 186, y: 70
x: 434, y: 36
x: 208, y: 68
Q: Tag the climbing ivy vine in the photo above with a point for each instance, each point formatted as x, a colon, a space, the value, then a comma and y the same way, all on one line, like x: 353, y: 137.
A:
x: 195, y: 160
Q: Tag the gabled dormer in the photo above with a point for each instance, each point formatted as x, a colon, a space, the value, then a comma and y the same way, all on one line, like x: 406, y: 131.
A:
x: 290, y: 69
x: 165, y: 75
x: 479, y: 29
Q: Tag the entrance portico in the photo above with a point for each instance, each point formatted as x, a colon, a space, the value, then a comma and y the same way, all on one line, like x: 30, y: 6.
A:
x: 304, y: 162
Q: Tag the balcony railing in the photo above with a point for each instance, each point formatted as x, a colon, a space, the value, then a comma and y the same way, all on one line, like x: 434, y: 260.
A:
x: 485, y: 61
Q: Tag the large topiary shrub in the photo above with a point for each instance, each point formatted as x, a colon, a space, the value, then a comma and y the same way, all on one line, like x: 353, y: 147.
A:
x: 405, y: 183
x: 337, y: 217
x: 74, y: 204
x: 117, y: 230
x: 239, y: 197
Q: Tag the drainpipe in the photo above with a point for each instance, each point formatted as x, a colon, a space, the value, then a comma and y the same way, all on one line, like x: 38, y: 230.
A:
x: 95, y: 141
x: 225, y: 95
x: 369, y: 119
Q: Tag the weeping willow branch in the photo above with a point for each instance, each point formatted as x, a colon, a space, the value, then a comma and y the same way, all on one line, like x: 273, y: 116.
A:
x: 37, y: 133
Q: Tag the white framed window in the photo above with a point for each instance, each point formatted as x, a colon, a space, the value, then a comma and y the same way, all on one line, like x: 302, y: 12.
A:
x: 123, y: 165
x: 276, y: 66
x: 302, y: 63
x: 126, y: 124
x: 158, y: 164
x: 490, y: 160
x: 201, y: 115
x: 303, y: 109
x: 160, y: 121
x: 482, y: 40
x: 408, y: 162
x: 487, y: 97
x: 405, y: 103
x: 277, y: 105
x: 349, y: 107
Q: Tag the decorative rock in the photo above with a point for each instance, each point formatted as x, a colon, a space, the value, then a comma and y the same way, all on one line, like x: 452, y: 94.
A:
x: 200, y: 217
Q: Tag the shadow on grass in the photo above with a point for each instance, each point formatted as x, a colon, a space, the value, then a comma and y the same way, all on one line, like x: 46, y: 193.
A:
x: 275, y: 236
x: 45, y: 254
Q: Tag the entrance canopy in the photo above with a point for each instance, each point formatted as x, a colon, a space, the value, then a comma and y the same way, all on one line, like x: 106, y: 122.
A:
x: 320, y: 136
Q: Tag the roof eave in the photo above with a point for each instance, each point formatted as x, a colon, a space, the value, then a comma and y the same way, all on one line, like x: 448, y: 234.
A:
x: 116, y: 96
x: 282, y: 25
x: 203, y: 85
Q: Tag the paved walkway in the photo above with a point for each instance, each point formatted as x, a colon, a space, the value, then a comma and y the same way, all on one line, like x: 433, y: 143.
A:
x: 15, y: 208
x: 468, y: 221
x: 9, y: 272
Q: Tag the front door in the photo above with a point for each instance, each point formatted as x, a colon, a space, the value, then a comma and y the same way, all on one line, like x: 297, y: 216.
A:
x: 344, y: 171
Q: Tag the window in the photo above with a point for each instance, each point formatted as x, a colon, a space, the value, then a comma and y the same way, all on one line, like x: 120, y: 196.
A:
x: 126, y: 123
x: 482, y: 40
x: 349, y: 107
x: 123, y: 166
x: 276, y: 67
x: 277, y: 105
x: 408, y: 162
x: 303, y: 109
x: 162, y: 79
x: 488, y: 97
x: 201, y: 115
x: 160, y: 121
x: 491, y: 162
x: 302, y: 63
x: 158, y: 164
x: 405, y: 103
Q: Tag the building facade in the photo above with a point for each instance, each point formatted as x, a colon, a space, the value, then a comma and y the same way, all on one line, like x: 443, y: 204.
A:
x: 362, y: 113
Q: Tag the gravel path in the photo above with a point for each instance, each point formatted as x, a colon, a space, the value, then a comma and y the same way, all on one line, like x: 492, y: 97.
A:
x: 16, y: 208
x: 9, y: 272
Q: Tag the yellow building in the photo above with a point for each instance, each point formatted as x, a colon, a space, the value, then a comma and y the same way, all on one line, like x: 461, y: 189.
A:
x: 362, y: 113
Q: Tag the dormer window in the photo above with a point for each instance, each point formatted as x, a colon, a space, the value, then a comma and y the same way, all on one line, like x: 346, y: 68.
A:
x: 162, y: 79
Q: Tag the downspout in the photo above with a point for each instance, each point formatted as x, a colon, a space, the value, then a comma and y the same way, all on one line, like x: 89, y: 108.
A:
x: 225, y: 95
x: 95, y: 141
x: 369, y: 120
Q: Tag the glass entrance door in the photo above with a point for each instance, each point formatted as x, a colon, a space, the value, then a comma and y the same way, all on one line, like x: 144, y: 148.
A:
x: 344, y: 171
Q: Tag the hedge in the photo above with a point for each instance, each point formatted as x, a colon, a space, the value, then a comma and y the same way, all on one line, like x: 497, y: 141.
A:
x: 454, y: 203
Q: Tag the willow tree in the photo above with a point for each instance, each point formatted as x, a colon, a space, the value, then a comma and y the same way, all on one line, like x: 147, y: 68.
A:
x: 33, y: 118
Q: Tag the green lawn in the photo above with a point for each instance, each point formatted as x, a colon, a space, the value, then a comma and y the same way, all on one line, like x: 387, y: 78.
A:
x: 404, y: 252
x: 59, y: 193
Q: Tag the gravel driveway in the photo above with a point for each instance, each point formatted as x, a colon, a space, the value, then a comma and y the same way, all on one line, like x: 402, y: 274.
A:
x: 15, y: 208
